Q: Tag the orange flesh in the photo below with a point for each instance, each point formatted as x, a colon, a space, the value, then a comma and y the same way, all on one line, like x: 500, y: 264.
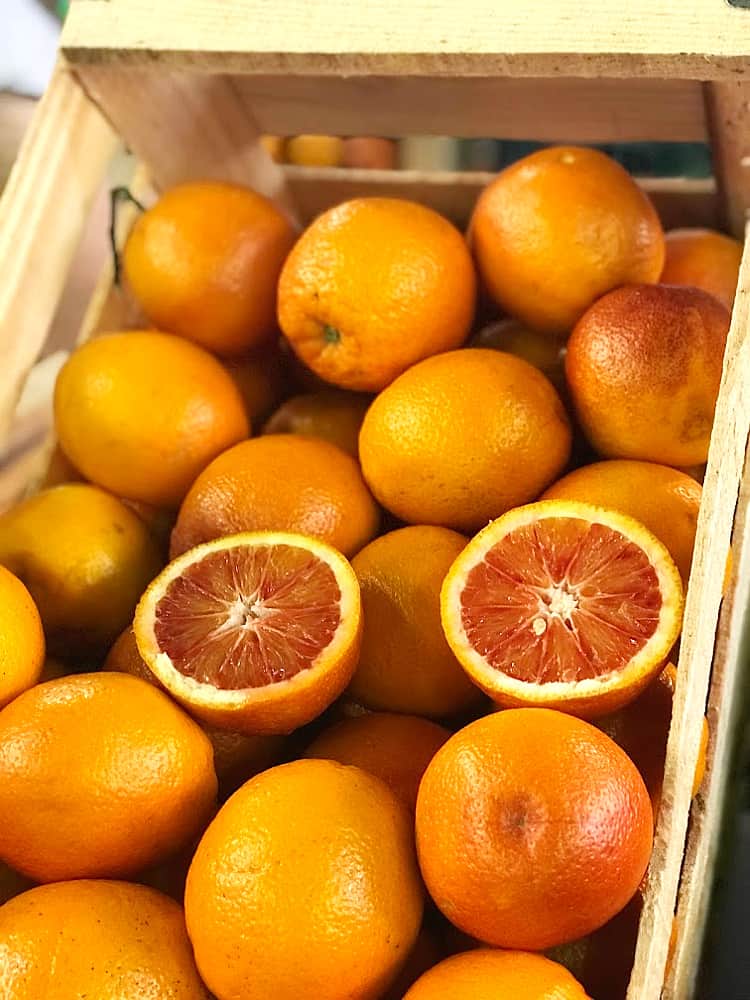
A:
x: 248, y: 617
x: 561, y: 600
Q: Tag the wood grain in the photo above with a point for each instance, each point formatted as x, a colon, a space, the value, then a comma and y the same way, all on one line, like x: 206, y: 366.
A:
x: 700, y: 651
x: 313, y: 189
x: 184, y: 126
x: 547, y: 110
x: 699, y: 40
x: 728, y: 109
x: 43, y: 212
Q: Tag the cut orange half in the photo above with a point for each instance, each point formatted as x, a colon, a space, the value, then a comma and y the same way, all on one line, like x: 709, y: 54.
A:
x: 257, y: 632
x: 564, y: 605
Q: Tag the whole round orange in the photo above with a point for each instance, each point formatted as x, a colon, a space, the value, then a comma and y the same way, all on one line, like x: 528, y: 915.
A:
x: 85, y: 558
x: 462, y: 437
x: 406, y: 664
x: 21, y: 638
x: 485, y: 974
x: 101, y: 775
x: 142, y: 413
x: 237, y: 756
x: 705, y: 259
x: 100, y: 939
x: 367, y: 152
x: 540, y: 349
x: 314, y: 150
x: 280, y: 482
x: 665, y: 500
x: 643, y: 367
x: 395, y: 748
x: 305, y: 885
x: 533, y: 828
x: 371, y: 287
x: 559, y: 228
x: 333, y: 415
x: 204, y: 261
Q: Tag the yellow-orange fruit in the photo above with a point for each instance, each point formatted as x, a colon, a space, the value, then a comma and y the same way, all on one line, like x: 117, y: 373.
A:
x: 314, y: 150
x: 371, y: 287
x: 462, y: 437
x: 101, y: 775
x: 271, y: 913
x: 644, y: 366
x: 204, y: 263
x: 333, y: 414
x: 21, y: 638
x: 705, y: 259
x: 559, y: 228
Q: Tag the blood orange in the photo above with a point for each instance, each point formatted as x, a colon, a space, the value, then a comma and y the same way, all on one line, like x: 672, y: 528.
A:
x: 564, y: 605
x: 257, y: 632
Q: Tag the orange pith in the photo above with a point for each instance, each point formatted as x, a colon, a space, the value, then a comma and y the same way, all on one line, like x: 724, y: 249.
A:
x: 258, y: 632
x: 562, y: 604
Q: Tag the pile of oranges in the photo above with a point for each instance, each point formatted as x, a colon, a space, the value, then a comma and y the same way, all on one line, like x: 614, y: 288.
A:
x: 334, y: 654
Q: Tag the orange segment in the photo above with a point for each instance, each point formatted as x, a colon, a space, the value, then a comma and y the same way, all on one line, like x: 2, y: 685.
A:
x: 257, y: 632
x: 563, y: 604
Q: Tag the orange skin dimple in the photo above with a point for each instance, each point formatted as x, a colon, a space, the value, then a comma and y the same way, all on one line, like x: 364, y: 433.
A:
x: 204, y: 262
x: 665, y: 500
x: 279, y: 482
x: 644, y: 367
x: 705, y: 259
x: 373, y: 286
x: 101, y: 939
x: 559, y: 228
x: 487, y: 974
x: 533, y: 828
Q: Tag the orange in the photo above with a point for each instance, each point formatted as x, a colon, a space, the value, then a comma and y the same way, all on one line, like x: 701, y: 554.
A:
x: 314, y: 150
x: 642, y: 728
x: 395, y: 748
x: 280, y: 482
x: 85, y: 558
x: 275, y: 146
x: 100, y: 939
x: 256, y: 633
x: 142, y: 413
x: 100, y: 775
x: 332, y: 414
x: 540, y: 349
x: 485, y: 974
x: 204, y: 262
x: 305, y: 885
x: 559, y: 228
x: 371, y: 287
x: 705, y: 259
x: 21, y: 638
x: 261, y: 380
x: 664, y: 500
x: 463, y: 437
x: 533, y: 828
x: 405, y: 664
x: 644, y: 367
x: 565, y: 605
x: 236, y: 757
x: 367, y: 152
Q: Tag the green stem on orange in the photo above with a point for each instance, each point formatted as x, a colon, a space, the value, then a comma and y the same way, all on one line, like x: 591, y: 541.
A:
x: 331, y: 335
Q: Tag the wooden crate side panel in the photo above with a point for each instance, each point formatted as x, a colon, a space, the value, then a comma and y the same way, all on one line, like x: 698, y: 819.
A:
x: 721, y: 488
x: 703, y: 39
x: 186, y: 126
x: 43, y: 212
x: 561, y: 110
x: 728, y: 110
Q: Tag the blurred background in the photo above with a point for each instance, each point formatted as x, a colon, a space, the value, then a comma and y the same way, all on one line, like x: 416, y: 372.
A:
x: 27, y: 55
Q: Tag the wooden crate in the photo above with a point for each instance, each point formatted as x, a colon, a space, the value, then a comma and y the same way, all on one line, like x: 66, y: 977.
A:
x: 189, y: 86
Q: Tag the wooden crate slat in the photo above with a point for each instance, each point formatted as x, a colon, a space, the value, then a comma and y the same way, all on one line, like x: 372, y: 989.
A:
x: 185, y: 127
x: 679, y: 201
x: 728, y: 106
x: 702, y: 39
x: 729, y: 442
x: 43, y: 211
x: 540, y: 109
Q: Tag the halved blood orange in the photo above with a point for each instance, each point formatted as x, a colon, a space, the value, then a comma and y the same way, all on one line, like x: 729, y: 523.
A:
x: 564, y: 605
x: 257, y: 632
